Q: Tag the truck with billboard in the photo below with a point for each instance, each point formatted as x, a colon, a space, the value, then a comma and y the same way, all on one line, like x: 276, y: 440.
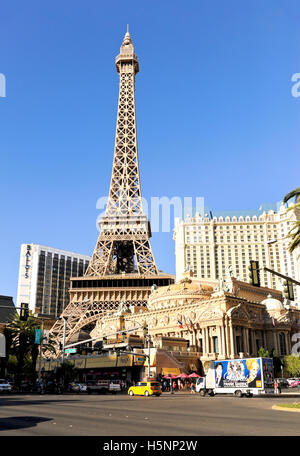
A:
x: 103, y: 386
x: 241, y: 377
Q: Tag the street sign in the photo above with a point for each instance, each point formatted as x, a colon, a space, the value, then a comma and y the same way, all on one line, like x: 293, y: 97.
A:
x: 70, y: 350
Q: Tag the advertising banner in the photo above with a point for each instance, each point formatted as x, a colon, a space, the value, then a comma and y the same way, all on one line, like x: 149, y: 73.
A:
x: 268, y: 372
x: 38, y: 335
x: 2, y: 346
x: 244, y: 373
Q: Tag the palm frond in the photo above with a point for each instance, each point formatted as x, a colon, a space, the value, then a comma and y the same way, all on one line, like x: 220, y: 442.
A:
x: 291, y: 194
x: 294, y: 235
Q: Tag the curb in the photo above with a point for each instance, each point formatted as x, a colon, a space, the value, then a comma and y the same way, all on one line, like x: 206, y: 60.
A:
x: 285, y: 409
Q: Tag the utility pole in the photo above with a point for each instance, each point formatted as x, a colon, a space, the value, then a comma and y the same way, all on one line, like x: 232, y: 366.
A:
x: 149, y: 351
x: 63, y: 352
x: 64, y: 340
x: 41, y: 349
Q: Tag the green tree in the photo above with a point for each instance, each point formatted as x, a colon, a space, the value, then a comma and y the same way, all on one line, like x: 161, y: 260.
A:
x: 294, y: 233
x: 262, y: 353
x: 277, y: 363
x: 292, y: 364
x: 66, y: 373
x: 22, y: 335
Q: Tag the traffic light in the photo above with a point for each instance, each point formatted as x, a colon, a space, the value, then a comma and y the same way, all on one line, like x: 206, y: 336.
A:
x: 145, y: 329
x: 24, y: 312
x: 254, y: 273
x: 288, y: 290
x: 60, y: 346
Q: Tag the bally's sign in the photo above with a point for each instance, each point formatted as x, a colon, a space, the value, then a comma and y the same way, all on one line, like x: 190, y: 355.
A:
x: 27, y: 262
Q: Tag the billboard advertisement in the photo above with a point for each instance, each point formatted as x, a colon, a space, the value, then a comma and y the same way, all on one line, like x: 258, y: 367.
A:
x: 242, y: 373
x: 268, y: 372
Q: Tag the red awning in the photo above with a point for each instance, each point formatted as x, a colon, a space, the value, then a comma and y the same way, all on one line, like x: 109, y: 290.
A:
x: 182, y: 375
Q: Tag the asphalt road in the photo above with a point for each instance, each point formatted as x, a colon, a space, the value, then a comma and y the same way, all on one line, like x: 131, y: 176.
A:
x: 168, y: 415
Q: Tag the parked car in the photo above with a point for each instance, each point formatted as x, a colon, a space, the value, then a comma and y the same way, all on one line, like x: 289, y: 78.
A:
x: 145, y: 389
x: 13, y: 385
x: 291, y: 380
x: 5, y: 387
x: 294, y: 384
x: 77, y: 387
x: 282, y: 382
x: 26, y: 387
x: 74, y: 388
x: 53, y: 387
x: 83, y: 387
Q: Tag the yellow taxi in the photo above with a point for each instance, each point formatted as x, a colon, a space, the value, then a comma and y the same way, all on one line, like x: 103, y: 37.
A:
x: 145, y: 389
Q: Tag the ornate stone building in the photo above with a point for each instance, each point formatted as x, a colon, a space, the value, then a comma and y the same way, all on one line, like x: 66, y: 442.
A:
x: 230, y: 321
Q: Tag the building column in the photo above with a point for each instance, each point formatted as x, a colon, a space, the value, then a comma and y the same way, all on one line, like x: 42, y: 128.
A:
x: 286, y: 338
x: 220, y: 348
x: 278, y: 343
x: 226, y: 339
x: 244, y: 340
x: 194, y: 337
x: 253, y: 341
x: 288, y: 342
x: 275, y: 341
x: 247, y: 340
x: 232, y: 341
x: 207, y: 340
x: 203, y: 340
x: 223, y: 341
x: 265, y: 340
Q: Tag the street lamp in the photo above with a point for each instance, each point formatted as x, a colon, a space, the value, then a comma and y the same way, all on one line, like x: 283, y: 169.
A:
x: 36, y: 315
x: 149, y: 351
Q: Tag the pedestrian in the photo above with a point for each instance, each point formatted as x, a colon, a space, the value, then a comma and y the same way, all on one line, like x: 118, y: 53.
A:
x: 174, y: 385
x: 192, y: 388
x: 276, y: 387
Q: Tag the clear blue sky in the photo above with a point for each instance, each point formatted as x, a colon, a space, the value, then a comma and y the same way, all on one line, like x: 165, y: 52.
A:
x: 214, y: 109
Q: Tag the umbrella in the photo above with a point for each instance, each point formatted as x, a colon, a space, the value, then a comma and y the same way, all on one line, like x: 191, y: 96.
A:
x: 171, y: 376
x: 182, y: 375
x: 193, y: 375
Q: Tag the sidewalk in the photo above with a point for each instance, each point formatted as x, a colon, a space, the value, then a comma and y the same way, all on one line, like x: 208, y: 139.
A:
x: 289, y: 394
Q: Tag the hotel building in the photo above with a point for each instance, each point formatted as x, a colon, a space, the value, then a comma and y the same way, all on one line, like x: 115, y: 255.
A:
x: 211, y: 244
x: 44, y: 277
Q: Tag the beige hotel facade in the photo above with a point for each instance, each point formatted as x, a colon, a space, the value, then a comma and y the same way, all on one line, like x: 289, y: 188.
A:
x: 211, y: 244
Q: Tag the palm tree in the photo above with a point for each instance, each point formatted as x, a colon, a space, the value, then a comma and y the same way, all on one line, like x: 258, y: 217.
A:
x: 294, y: 232
x: 23, y: 338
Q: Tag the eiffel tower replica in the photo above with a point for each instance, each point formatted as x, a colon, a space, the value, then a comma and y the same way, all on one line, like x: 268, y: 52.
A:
x: 122, y: 267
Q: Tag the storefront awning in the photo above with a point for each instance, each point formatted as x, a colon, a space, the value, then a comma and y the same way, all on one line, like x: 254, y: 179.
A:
x: 170, y: 370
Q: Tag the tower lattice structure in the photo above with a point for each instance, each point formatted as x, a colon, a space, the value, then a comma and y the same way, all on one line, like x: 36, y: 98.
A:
x: 123, y: 244
x: 122, y: 267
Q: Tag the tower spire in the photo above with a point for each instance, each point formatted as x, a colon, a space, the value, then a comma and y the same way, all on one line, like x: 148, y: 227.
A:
x: 123, y: 244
